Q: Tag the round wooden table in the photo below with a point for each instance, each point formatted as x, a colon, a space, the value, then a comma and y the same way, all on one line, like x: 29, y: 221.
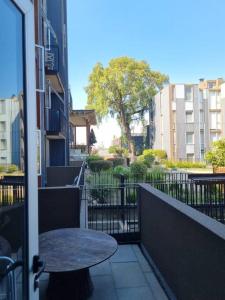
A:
x: 68, y: 254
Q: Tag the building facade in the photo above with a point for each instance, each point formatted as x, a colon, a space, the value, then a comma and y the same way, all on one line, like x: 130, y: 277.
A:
x: 53, y: 95
x: 186, y: 118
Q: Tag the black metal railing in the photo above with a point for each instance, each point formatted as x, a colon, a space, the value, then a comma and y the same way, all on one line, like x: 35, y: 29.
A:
x: 208, y: 198
x: 56, y: 122
x: 113, y: 210
x: 11, y: 191
x: 108, y: 178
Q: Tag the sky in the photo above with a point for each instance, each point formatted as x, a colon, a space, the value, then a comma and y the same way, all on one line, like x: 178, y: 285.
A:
x: 183, y: 39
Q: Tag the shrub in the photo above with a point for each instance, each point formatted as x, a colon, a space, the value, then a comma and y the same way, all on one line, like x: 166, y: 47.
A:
x: 157, y: 153
x: 93, y: 158
x: 217, y: 154
x: 2, y: 169
x: 117, y: 150
x: 138, y: 168
x: 131, y: 197
x: 120, y: 170
x: 156, y: 173
x: 184, y: 164
x: 100, y: 165
x: 12, y: 169
x: 147, y: 159
x: 117, y: 161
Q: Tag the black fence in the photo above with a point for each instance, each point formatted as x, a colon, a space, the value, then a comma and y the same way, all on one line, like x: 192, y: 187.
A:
x: 108, y: 178
x: 208, y: 197
x: 11, y: 190
x: 113, y: 210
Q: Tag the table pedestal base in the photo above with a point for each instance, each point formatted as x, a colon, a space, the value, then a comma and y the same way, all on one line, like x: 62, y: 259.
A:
x: 76, y: 285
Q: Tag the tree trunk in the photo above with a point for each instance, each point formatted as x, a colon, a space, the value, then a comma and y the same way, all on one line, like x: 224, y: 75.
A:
x: 127, y: 131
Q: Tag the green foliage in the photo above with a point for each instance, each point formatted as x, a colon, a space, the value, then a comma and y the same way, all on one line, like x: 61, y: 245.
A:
x: 124, y: 89
x: 157, y: 153
x: 117, y: 161
x: 156, y: 173
x: 100, y: 165
x: 114, y: 149
x: 147, y: 159
x: 93, y: 158
x: 184, y: 164
x: 12, y: 169
x: 216, y: 156
x: 138, y: 168
x: 120, y: 170
x: 2, y: 168
x: 131, y: 197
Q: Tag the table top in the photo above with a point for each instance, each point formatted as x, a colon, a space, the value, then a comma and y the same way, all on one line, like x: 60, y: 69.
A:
x: 72, y: 249
x: 208, y: 179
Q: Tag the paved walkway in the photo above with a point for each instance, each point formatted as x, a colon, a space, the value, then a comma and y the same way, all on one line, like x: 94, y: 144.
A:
x: 125, y: 276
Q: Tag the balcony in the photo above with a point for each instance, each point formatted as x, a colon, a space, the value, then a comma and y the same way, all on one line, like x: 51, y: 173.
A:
x: 52, y: 68
x: 171, y: 228
x: 56, y: 123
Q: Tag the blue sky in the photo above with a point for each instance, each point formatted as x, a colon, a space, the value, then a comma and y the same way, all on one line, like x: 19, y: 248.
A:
x: 184, y: 39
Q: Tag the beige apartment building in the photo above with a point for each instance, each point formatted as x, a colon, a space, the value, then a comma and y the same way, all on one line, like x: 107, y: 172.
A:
x: 187, y: 118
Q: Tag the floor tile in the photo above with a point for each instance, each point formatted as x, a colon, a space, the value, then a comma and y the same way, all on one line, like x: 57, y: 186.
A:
x: 128, y: 274
x: 103, y: 288
x: 140, y: 293
x: 141, y: 259
x: 101, y: 269
x: 156, y: 288
x: 124, y: 253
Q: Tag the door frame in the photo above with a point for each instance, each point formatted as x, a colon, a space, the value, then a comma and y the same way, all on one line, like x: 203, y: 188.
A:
x: 31, y: 206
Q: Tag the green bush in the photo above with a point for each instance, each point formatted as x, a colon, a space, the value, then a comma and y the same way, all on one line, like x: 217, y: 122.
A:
x: 117, y: 161
x: 138, y: 168
x: 184, y: 164
x: 93, y: 158
x: 131, y: 197
x: 147, y: 159
x: 12, y: 169
x: 100, y: 165
x: 120, y: 170
x: 118, y: 150
x: 2, y: 169
x: 157, y: 153
x: 216, y: 156
x: 156, y: 173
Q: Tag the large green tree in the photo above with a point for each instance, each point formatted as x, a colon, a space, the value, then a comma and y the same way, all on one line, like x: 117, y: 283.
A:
x: 123, y: 89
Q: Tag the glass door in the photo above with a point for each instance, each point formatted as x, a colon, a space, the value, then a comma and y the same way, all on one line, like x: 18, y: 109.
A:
x: 16, y: 141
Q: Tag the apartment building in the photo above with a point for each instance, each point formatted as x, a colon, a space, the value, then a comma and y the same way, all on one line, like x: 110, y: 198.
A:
x: 187, y: 118
x: 53, y: 95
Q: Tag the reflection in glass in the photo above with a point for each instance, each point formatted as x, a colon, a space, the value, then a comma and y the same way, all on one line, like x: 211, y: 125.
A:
x: 12, y: 149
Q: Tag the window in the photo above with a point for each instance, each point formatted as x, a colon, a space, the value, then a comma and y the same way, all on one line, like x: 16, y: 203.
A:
x: 190, y: 157
x: 3, y: 144
x: 189, y: 117
x: 211, y: 84
x: 202, y: 117
x: 188, y: 93
x: 2, y: 126
x: 215, y: 118
x: 202, y: 140
x: 190, y: 138
x: 214, y: 136
x: 2, y: 106
x: 214, y: 100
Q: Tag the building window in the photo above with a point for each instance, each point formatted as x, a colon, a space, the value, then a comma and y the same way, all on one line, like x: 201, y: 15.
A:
x: 2, y: 106
x: 189, y: 117
x: 214, y: 136
x: 215, y: 118
x: 3, y: 144
x: 211, y: 85
x: 202, y: 117
x: 214, y: 100
x: 189, y: 138
x: 2, y: 126
x: 188, y: 93
x: 190, y: 157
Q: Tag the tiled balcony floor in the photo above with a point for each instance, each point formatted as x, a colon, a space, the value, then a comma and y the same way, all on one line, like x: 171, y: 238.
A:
x: 126, y: 275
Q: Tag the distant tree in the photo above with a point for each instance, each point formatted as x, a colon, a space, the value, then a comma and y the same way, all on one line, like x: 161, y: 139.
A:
x: 92, y: 138
x: 124, y: 90
x: 216, y: 156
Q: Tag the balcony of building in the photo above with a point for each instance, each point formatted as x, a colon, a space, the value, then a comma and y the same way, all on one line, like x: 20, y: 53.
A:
x: 169, y: 229
x: 81, y: 120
